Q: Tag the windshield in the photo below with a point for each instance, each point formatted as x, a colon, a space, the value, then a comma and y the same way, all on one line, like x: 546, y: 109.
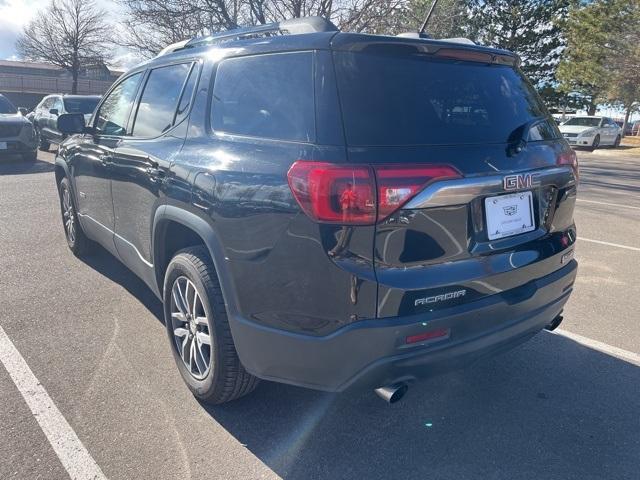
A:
x: 80, y: 105
x: 417, y: 99
x: 583, y: 122
x: 6, y: 106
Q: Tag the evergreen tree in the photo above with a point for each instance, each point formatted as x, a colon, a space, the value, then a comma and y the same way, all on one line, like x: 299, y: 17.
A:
x: 602, y: 59
x: 530, y: 28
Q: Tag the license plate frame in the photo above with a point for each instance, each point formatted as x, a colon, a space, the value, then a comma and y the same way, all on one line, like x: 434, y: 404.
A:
x: 509, y: 214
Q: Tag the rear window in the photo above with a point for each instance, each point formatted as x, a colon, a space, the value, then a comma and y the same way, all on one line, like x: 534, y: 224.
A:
x: 80, y: 105
x: 583, y: 122
x: 418, y: 100
x: 6, y: 106
x: 268, y: 96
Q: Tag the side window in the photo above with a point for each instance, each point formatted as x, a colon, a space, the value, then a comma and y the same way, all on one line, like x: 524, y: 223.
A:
x: 114, y: 111
x: 269, y: 96
x: 159, y: 100
x: 45, y: 106
x: 57, y: 104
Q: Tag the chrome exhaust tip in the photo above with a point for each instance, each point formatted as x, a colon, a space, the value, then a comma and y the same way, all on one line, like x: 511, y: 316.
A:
x: 392, y: 393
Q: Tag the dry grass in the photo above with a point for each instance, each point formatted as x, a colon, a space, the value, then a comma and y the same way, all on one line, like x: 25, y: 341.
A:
x: 631, y: 146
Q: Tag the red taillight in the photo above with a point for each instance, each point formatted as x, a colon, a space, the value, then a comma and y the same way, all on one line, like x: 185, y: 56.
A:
x: 468, y: 55
x: 569, y: 157
x: 358, y: 194
x: 397, y: 185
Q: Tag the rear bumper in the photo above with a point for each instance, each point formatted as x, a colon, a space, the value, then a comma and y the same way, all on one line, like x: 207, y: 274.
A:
x: 371, y: 353
x: 17, y: 147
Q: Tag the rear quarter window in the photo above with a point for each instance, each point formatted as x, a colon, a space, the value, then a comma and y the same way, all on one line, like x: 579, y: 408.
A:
x: 266, y: 96
x: 412, y: 99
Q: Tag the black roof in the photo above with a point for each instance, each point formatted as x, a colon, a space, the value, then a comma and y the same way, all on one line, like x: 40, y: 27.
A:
x: 326, y: 40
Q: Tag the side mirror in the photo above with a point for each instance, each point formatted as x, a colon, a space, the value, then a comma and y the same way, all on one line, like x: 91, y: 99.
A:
x: 23, y: 111
x: 53, y: 111
x: 71, y: 123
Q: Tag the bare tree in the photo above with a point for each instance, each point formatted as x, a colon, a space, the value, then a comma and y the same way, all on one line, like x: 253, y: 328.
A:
x: 153, y: 24
x: 68, y: 33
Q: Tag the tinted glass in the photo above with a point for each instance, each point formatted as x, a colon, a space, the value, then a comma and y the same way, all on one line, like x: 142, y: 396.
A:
x: 414, y: 99
x: 114, y: 111
x: 81, y: 105
x: 187, y: 95
x: 57, y: 104
x: 546, y: 130
x: 6, y: 106
x: 583, y: 122
x: 159, y: 100
x: 269, y: 96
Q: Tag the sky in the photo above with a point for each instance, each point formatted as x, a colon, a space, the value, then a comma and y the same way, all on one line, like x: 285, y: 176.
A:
x: 15, y: 14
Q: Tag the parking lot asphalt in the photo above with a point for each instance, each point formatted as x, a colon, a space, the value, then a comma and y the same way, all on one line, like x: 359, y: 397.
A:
x: 562, y: 406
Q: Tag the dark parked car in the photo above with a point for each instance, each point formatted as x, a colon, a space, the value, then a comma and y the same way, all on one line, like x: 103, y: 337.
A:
x: 627, y: 129
x: 45, y: 115
x: 17, y: 136
x: 327, y: 209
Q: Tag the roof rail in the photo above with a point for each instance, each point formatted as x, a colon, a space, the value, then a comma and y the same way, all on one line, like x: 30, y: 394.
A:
x: 293, y: 26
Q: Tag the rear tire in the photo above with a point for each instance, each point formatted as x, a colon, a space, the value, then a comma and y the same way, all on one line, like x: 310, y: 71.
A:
x: 77, y: 241
x: 30, y: 157
x: 194, y: 314
x: 616, y: 144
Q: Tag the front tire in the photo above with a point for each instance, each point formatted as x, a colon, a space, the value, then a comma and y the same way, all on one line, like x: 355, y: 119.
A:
x: 77, y: 241
x: 43, y: 144
x: 198, y: 330
x: 595, y: 144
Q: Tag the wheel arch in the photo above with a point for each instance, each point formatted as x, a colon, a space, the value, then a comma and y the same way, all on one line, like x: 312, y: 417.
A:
x: 175, y: 228
x: 61, y: 170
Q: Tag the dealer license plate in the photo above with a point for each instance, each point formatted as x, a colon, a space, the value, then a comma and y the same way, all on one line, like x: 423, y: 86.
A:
x: 509, y: 215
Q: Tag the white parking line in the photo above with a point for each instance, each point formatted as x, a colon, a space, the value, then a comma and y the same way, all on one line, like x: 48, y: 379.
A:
x: 630, y: 357
x: 72, y: 454
x: 608, y: 203
x: 635, y: 249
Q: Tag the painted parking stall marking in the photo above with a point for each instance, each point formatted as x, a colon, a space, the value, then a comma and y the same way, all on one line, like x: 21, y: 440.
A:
x: 74, y: 457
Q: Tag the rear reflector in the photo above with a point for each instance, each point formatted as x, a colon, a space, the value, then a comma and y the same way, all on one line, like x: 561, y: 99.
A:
x: 441, y: 333
x: 359, y: 194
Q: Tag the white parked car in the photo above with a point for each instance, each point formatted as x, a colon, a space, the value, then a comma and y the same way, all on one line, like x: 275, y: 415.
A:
x: 591, y: 132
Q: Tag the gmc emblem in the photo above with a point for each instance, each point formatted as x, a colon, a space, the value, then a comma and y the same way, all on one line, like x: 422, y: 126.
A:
x: 517, y: 182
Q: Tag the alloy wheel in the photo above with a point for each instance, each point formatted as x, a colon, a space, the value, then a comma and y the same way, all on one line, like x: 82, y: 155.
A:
x: 190, y: 327
x: 68, y: 215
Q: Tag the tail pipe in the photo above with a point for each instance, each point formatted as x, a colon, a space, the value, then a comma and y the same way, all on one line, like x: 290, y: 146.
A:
x: 555, y: 323
x: 392, y: 393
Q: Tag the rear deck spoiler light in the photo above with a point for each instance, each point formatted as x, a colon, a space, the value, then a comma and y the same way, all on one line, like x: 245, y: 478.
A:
x: 359, y: 194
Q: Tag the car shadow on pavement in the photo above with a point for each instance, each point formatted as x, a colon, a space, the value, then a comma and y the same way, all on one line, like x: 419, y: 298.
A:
x: 106, y: 264
x: 551, y: 408
x: 22, y: 167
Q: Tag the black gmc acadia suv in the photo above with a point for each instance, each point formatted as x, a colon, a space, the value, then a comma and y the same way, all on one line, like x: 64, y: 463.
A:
x: 328, y: 209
